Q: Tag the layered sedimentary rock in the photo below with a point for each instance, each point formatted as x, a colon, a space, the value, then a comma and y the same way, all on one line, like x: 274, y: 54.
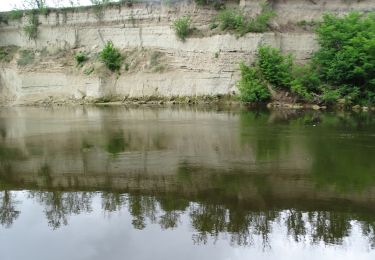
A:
x: 205, y: 64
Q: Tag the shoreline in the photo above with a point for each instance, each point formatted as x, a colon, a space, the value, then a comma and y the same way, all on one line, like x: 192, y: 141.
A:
x: 227, y: 101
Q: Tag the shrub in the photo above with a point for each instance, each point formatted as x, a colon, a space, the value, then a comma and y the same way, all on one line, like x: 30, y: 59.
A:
x: 305, y: 82
x: 81, y: 57
x: 275, y: 67
x: 346, y: 58
x: 235, y: 20
x: 111, y: 57
x: 330, y: 96
x: 260, y: 23
x: 182, y: 27
x: 251, y: 86
x: 26, y: 57
x: 231, y: 19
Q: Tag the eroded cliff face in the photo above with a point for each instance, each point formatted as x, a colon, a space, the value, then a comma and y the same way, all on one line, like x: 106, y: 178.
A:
x: 205, y: 64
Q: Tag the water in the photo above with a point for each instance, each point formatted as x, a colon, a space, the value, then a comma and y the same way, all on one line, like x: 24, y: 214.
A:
x: 186, y: 183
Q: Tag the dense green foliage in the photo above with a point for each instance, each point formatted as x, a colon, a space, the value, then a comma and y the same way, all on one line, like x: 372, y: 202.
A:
x: 343, y: 67
x: 275, y: 67
x: 182, y: 27
x: 111, y: 57
x: 346, y: 58
x: 236, y: 20
x: 80, y: 57
x: 251, y: 86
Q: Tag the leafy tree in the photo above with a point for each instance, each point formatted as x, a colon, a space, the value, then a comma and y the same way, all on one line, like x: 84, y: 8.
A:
x: 346, y: 58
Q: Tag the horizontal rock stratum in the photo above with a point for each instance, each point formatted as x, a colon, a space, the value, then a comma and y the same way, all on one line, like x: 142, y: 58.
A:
x: 205, y: 64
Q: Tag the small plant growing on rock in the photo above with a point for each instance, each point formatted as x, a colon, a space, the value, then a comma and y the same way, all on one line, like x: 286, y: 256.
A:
x: 26, y: 58
x: 236, y: 20
x: 111, y: 57
x: 182, y: 27
x: 231, y: 19
x: 81, y: 57
x: 260, y: 23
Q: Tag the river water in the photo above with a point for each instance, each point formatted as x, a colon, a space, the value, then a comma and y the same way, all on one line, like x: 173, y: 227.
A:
x: 186, y: 183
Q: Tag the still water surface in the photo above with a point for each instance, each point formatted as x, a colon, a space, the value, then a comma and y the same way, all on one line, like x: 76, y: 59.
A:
x: 185, y: 183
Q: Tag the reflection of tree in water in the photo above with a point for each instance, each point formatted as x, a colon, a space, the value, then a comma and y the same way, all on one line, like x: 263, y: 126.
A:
x: 112, y: 201
x: 172, y: 206
x: 142, y: 207
x: 264, y: 134
x: 8, y: 212
x: 117, y: 143
x: 368, y: 230
x: 342, y: 152
x: 329, y: 227
x: 208, y: 219
x: 60, y: 205
x: 340, y: 146
x: 296, y: 225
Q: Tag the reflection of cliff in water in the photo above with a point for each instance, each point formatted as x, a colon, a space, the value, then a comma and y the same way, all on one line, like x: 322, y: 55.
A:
x: 231, y: 172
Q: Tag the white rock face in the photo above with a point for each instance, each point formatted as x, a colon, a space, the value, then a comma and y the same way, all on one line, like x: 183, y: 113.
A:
x: 202, y: 65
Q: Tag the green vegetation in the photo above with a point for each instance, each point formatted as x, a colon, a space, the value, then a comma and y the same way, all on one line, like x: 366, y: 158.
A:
x: 345, y: 61
x: 15, y: 15
x: 81, y: 57
x: 216, y: 4
x: 236, y: 20
x: 275, y: 67
x: 251, y: 85
x: 343, y: 68
x: 182, y: 27
x: 7, y: 53
x: 88, y: 71
x: 31, y: 29
x: 26, y: 57
x: 111, y: 57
